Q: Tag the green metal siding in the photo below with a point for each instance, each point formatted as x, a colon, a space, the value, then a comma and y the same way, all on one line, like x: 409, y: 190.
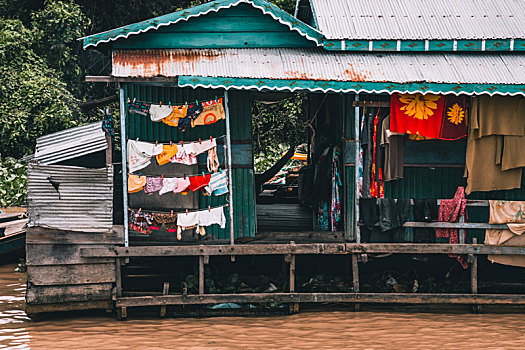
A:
x: 240, y: 124
x: 237, y: 27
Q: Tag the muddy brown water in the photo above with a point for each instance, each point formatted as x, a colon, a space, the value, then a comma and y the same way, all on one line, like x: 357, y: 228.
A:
x: 307, y: 330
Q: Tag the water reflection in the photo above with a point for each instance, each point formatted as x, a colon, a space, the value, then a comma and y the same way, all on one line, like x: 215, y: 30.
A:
x: 314, y: 330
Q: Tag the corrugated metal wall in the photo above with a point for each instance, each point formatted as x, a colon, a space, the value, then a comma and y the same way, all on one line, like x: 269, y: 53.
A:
x: 240, y: 124
x: 83, y: 200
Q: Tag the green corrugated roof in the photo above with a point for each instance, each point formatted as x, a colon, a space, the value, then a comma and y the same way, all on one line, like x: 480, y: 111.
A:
x: 214, y: 6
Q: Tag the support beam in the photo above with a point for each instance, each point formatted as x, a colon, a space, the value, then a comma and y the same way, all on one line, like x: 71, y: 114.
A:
x: 355, y: 273
x: 201, y: 274
x: 315, y: 248
x: 124, y: 164
x: 228, y: 150
x: 382, y: 298
x: 165, y: 291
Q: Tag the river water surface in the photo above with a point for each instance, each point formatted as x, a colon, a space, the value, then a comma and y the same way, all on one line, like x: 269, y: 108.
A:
x: 312, y: 330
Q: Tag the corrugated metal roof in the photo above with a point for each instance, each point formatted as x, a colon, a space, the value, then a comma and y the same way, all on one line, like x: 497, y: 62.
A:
x: 266, y: 7
x: 70, y: 143
x: 317, y: 64
x: 82, y: 202
x: 420, y: 19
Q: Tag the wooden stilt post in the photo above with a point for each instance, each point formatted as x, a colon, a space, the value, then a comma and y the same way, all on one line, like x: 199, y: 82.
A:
x: 201, y: 274
x: 294, y: 307
x: 121, y: 311
x: 474, y: 276
x: 165, y: 291
x: 355, y: 277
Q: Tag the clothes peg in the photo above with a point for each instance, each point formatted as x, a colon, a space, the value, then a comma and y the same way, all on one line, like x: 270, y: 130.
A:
x: 203, y: 174
x: 211, y: 138
x: 162, y: 176
x: 170, y: 104
x: 182, y: 143
x: 196, y: 102
x: 186, y: 211
x: 209, y: 209
x: 140, y: 209
x: 129, y: 100
x: 200, y: 140
x: 172, y: 212
x: 140, y: 174
x: 171, y: 143
x: 134, y: 99
x: 156, y: 143
x: 160, y: 103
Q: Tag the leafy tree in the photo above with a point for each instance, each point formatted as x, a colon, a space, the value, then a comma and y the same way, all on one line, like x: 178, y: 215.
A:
x: 13, y: 182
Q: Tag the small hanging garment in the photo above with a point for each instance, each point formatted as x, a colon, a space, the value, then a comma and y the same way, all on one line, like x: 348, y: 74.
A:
x: 193, y: 112
x: 186, y: 221
x: 218, y: 184
x: 153, y: 184
x: 198, y: 182
x: 138, y: 108
x: 169, y: 221
x: 212, y: 111
x: 185, y: 155
x: 182, y: 184
x: 107, y: 122
x: 210, y: 217
x: 449, y: 211
x: 425, y: 210
x: 136, y: 183
x: 158, y: 112
x: 213, y: 160
x: 140, y: 153
x: 168, y: 185
x: 429, y: 115
x: 203, y: 146
x: 168, y: 151
x: 177, y: 113
x: 140, y: 222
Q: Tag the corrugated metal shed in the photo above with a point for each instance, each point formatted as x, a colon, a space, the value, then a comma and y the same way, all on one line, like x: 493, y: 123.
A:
x: 317, y: 64
x: 70, y: 143
x: 70, y: 198
x: 420, y: 19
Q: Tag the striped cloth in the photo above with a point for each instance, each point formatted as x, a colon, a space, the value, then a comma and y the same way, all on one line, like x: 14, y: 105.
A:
x: 218, y: 184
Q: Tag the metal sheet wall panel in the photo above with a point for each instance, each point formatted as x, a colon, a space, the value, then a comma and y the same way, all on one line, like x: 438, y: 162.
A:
x: 142, y: 128
x: 83, y: 200
x: 420, y: 19
x: 70, y: 143
x: 319, y: 65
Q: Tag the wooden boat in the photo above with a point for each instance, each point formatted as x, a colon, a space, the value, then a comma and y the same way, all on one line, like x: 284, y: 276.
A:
x: 12, y: 236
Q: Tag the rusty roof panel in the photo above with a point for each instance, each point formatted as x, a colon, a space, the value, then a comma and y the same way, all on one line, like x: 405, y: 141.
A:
x: 318, y: 64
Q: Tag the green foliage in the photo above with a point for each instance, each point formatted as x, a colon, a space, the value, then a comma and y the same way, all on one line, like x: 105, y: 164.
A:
x: 264, y: 160
x: 33, y: 99
x: 13, y: 183
x: 55, y: 30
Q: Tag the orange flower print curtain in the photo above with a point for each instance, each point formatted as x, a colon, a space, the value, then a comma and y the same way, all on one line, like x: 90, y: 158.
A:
x: 431, y: 116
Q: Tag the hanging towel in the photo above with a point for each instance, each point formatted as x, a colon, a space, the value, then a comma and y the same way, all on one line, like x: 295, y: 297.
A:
x: 203, y: 146
x: 186, y: 222
x: 136, y: 183
x: 153, y: 184
x: 138, y: 108
x: 198, y: 182
x: 212, y: 111
x: 449, y: 211
x: 158, y: 112
x: 425, y: 210
x: 218, y: 184
x: 140, y: 153
x: 511, y: 213
x: 210, y: 217
x: 168, y: 151
x: 177, y: 113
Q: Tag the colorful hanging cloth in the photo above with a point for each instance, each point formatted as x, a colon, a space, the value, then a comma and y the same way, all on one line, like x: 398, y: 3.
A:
x: 212, y: 111
x: 433, y: 116
x: 138, y: 108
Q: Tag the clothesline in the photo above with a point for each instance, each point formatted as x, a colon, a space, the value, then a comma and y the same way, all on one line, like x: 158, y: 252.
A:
x: 180, y: 176
x: 182, y: 212
x: 175, y: 104
x: 175, y: 142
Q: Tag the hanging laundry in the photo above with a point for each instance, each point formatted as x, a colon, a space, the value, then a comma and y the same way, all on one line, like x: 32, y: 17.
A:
x: 198, y: 182
x: 212, y: 111
x: 138, y: 108
x: 210, y: 217
x: 107, y: 122
x: 218, y: 184
x: 136, y: 183
x: 159, y: 112
x: 182, y: 185
x: 393, y: 145
x: 177, y: 113
x: 449, y: 211
x: 186, y: 221
x: 203, y: 146
x: 425, y: 210
x: 335, y: 203
x: 168, y: 151
x: 168, y: 185
x: 169, y: 221
x: 192, y: 113
x: 185, y: 155
x: 140, y: 221
x: 212, y: 161
x: 153, y: 184
x: 393, y: 214
x: 429, y: 115
x: 140, y: 153
x: 511, y: 213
